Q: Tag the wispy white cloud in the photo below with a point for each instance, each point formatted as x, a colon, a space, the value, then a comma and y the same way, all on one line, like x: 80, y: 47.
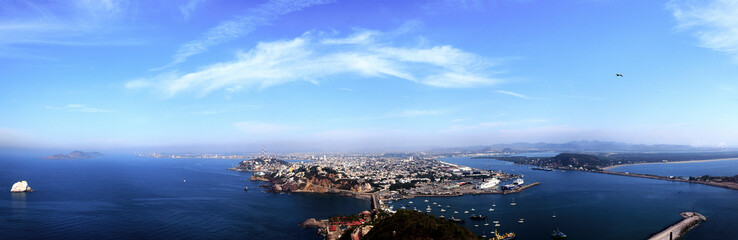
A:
x: 79, y: 108
x: 240, y: 26
x: 311, y: 58
x: 189, y: 7
x: 75, y: 23
x: 714, y: 22
x: 514, y: 94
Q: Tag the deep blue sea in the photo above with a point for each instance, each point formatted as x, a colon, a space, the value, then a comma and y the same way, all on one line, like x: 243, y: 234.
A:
x: 146, y: 198
x: 134, y: 197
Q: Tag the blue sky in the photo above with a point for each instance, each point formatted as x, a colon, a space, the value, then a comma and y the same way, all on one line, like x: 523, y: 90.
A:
x: 219, y: 75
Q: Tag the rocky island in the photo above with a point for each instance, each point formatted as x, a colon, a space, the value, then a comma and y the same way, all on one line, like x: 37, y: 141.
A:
x: 74, y: 155
x: 21, y: 186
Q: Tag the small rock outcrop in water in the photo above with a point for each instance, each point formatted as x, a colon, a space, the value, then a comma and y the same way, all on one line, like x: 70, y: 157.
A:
x: 21, y: 186
x: 75, y: 155
x: 246, y: 188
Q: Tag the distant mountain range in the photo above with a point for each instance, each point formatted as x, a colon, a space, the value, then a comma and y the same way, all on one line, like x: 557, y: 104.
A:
x: 75, y: 155
x: 578, y: 146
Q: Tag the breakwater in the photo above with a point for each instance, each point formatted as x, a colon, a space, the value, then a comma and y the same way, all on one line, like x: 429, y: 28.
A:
x: 677, y: 230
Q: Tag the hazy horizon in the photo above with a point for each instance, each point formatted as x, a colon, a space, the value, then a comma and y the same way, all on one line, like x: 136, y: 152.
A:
x: 350, y: 76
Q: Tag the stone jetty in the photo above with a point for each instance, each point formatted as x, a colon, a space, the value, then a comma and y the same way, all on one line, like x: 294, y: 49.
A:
x: 676, y: 231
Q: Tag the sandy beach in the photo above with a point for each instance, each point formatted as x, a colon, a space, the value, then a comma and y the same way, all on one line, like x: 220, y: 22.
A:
x: 690, y: 161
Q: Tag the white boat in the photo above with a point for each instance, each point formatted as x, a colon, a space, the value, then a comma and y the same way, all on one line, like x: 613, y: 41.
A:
x: 473, y: 210
x: 443, y: 210
x: 554, y: 214
x: 497, y: 225
x: 521, y: 220
x: 456, y: 211
x: 491, y: 209
x: 495, y: 222
x: 490, y: 183
x: 426, y: 200
x: 518, y: 181
x: 410, y: 202
x: 513, y: 203
x: 466, y: 211
x: 476, y: 225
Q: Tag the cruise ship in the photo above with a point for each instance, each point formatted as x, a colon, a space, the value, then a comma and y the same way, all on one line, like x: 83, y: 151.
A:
x: 492, y: 182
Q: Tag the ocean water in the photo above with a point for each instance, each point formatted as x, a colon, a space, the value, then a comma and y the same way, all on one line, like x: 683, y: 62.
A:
x: 132, y: 197
x: 694, y: 169
x: 590, y: 205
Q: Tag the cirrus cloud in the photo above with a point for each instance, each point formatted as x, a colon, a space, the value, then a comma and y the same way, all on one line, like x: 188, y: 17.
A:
x: 313, y: 57
x: 715, y: 22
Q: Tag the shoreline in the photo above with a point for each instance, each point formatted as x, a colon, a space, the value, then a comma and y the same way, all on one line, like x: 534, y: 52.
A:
x: 688, y: 161
x: 728, y: 185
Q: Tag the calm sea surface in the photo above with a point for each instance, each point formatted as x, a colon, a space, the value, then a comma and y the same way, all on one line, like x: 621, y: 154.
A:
x: 134, y: 197
x: 127, y: 197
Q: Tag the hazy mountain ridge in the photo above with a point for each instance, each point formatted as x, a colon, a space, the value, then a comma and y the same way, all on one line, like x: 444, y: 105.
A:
x: 578, y: 146
x: 75, y: 155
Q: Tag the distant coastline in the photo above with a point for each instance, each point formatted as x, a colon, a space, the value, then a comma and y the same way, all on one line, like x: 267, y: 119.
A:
x: 689, y: 161
x: 74, y: 155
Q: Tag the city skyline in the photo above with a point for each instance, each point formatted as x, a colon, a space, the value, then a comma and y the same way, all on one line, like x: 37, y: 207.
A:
x: 352, y: 75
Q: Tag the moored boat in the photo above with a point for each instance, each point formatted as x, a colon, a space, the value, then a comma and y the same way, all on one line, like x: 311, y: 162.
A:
x: 558, y: 234
x: 506, y: 236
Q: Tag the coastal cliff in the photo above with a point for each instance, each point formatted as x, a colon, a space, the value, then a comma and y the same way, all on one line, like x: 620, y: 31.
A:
x: 287, y: 177
x: 310, y: 179
x: 319, y: 184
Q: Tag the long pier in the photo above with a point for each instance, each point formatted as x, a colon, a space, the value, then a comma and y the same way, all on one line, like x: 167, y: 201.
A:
x: 676, y: 231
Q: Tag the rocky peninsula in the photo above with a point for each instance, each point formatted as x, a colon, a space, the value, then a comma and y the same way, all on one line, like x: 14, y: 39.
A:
x: 286, y: 177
